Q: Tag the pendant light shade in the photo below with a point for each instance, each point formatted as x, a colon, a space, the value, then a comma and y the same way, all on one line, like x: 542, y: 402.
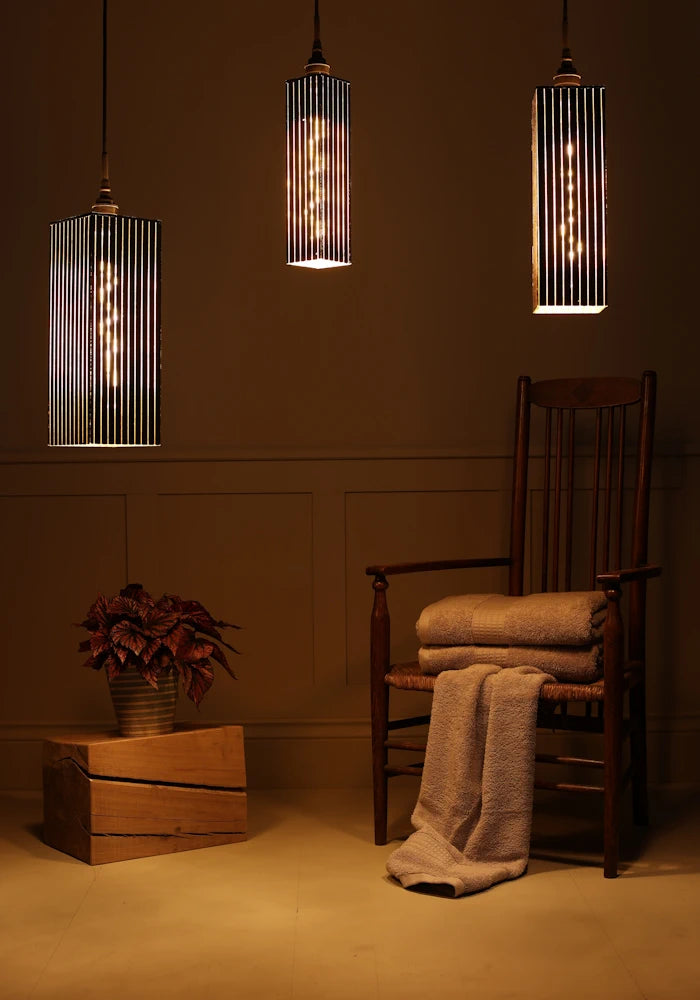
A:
x: 104, y: 335
x: 104, y: 321
x: 569, y: 194
x: 318, y: 165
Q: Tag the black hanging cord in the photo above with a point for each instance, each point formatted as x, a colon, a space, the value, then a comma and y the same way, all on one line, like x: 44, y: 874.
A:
x: 104, y: 202
x: 567, y: 70
x: 104, y: 77
x: 317, y: 57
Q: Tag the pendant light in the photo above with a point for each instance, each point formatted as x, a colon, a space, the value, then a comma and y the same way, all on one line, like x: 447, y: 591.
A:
x: 569, y: 268
x: 318, y: 164
x: 104, y: 327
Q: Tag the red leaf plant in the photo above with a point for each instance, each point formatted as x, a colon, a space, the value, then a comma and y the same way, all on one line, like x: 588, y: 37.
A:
x: 155, y: 637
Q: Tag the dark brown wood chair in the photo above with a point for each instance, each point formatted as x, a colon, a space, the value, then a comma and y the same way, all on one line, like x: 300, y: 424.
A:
x: 565, y: 467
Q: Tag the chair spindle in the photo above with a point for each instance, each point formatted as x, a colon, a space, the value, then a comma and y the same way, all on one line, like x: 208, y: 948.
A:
x: 608, y: 488
x: 620, y: 485
x: 557, y: 501
x: 596, y: 487
x: 570, y: 500
x: 545, y: 496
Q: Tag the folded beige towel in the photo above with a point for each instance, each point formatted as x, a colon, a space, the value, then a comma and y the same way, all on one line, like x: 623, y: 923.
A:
x: 474, y: 810
x: 575, y: 664
x: 572, y: 618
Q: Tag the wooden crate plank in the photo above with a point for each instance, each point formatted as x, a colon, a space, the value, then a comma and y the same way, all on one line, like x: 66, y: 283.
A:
x: 212, y: 756
x: 67, y: 809
x: 120, y: 807
x: 106, y: 849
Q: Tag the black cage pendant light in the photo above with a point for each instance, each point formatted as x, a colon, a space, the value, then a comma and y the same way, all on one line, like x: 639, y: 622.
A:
x: 104, y: 328
x: 569, y: 267
x: 318, y: 164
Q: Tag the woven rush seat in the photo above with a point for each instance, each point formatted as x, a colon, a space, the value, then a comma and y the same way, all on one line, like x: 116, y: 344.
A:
x: 409, y: 677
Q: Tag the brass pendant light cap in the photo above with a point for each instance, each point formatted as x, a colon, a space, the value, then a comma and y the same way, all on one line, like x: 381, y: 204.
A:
x: 317, y: 67
x: 105, y: 203
x: 105, y: 207
x: 567, y: 74
x: 567, y: 80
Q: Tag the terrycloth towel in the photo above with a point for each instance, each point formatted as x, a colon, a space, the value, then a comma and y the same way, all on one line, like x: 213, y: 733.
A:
x: 575, y: 664
x: 474, y: 811
x: 572, y: 618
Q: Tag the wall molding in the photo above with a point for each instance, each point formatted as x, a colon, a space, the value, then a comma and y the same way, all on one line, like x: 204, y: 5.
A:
x: 318, y: 753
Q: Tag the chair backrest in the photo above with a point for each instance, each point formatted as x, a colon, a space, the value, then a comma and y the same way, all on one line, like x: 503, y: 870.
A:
x: 578, y: 449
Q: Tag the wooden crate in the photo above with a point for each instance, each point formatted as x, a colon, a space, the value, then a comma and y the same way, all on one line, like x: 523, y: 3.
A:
x: 111, y: 798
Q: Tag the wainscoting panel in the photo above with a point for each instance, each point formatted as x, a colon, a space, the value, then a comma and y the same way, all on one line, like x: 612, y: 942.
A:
x: 249, y: 559
x: 59, y: 552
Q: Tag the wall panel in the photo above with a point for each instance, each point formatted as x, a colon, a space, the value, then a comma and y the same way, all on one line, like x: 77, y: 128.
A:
x: 248, y: 559
x: 59, y: 553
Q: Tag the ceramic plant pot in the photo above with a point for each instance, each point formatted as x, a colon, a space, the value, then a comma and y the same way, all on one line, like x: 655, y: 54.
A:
x: 139, y: 708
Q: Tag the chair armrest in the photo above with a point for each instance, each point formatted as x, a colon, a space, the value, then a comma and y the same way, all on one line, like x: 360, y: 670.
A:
x: 629, y: 575
x: 424, y: 567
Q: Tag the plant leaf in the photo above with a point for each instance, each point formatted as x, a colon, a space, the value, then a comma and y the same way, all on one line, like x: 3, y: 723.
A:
x: 128, y: 635
x: 99, y: 642
x: 97, y: 614
x: 193, y: 649
x: 220, y: 657
x: 176, y: 637
x: 149, y: 650
x: 195, y: 614
x: 159, y: 621
x: 126, y: 607
x: 196, y: 680
x: 149, y: 674
x: 135, y: 592
x: 113, y: 667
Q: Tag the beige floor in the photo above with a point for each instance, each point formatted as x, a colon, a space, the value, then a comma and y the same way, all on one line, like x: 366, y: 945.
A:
x: 304, y: 910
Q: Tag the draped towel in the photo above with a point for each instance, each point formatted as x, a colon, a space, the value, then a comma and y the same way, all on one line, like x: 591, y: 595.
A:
x: 474, y: 811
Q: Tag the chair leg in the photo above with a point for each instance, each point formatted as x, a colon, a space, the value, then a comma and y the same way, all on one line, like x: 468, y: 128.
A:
x: 380, y: 632
x: 612, y: 732
x: 638, y: 749
x: 380, y: 715
x: 611, y: 833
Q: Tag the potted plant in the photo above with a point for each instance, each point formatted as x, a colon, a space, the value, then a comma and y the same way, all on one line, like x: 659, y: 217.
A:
x: 145, y: 647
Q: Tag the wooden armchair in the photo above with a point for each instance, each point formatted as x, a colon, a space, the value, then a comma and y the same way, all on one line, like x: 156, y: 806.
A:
x: 561, y: 554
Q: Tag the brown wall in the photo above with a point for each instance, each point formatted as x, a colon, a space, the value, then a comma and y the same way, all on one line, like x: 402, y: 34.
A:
x: 313, y: 422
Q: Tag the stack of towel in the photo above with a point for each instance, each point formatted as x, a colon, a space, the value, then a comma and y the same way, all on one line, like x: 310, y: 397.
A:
x: 560, y: 633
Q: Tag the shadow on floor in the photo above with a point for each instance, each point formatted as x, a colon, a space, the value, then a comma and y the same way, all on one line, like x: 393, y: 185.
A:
x: 568, y: 829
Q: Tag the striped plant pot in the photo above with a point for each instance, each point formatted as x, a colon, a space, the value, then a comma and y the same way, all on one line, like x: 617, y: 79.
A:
x: 139, y: 708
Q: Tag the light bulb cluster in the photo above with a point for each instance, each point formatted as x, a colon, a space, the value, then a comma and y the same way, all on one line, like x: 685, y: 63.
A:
x: 109, y: 336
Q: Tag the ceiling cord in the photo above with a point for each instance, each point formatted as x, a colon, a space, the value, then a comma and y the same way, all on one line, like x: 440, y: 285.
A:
x: 105, y: 203
x: 317, y: 57
x: 567, y: 75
